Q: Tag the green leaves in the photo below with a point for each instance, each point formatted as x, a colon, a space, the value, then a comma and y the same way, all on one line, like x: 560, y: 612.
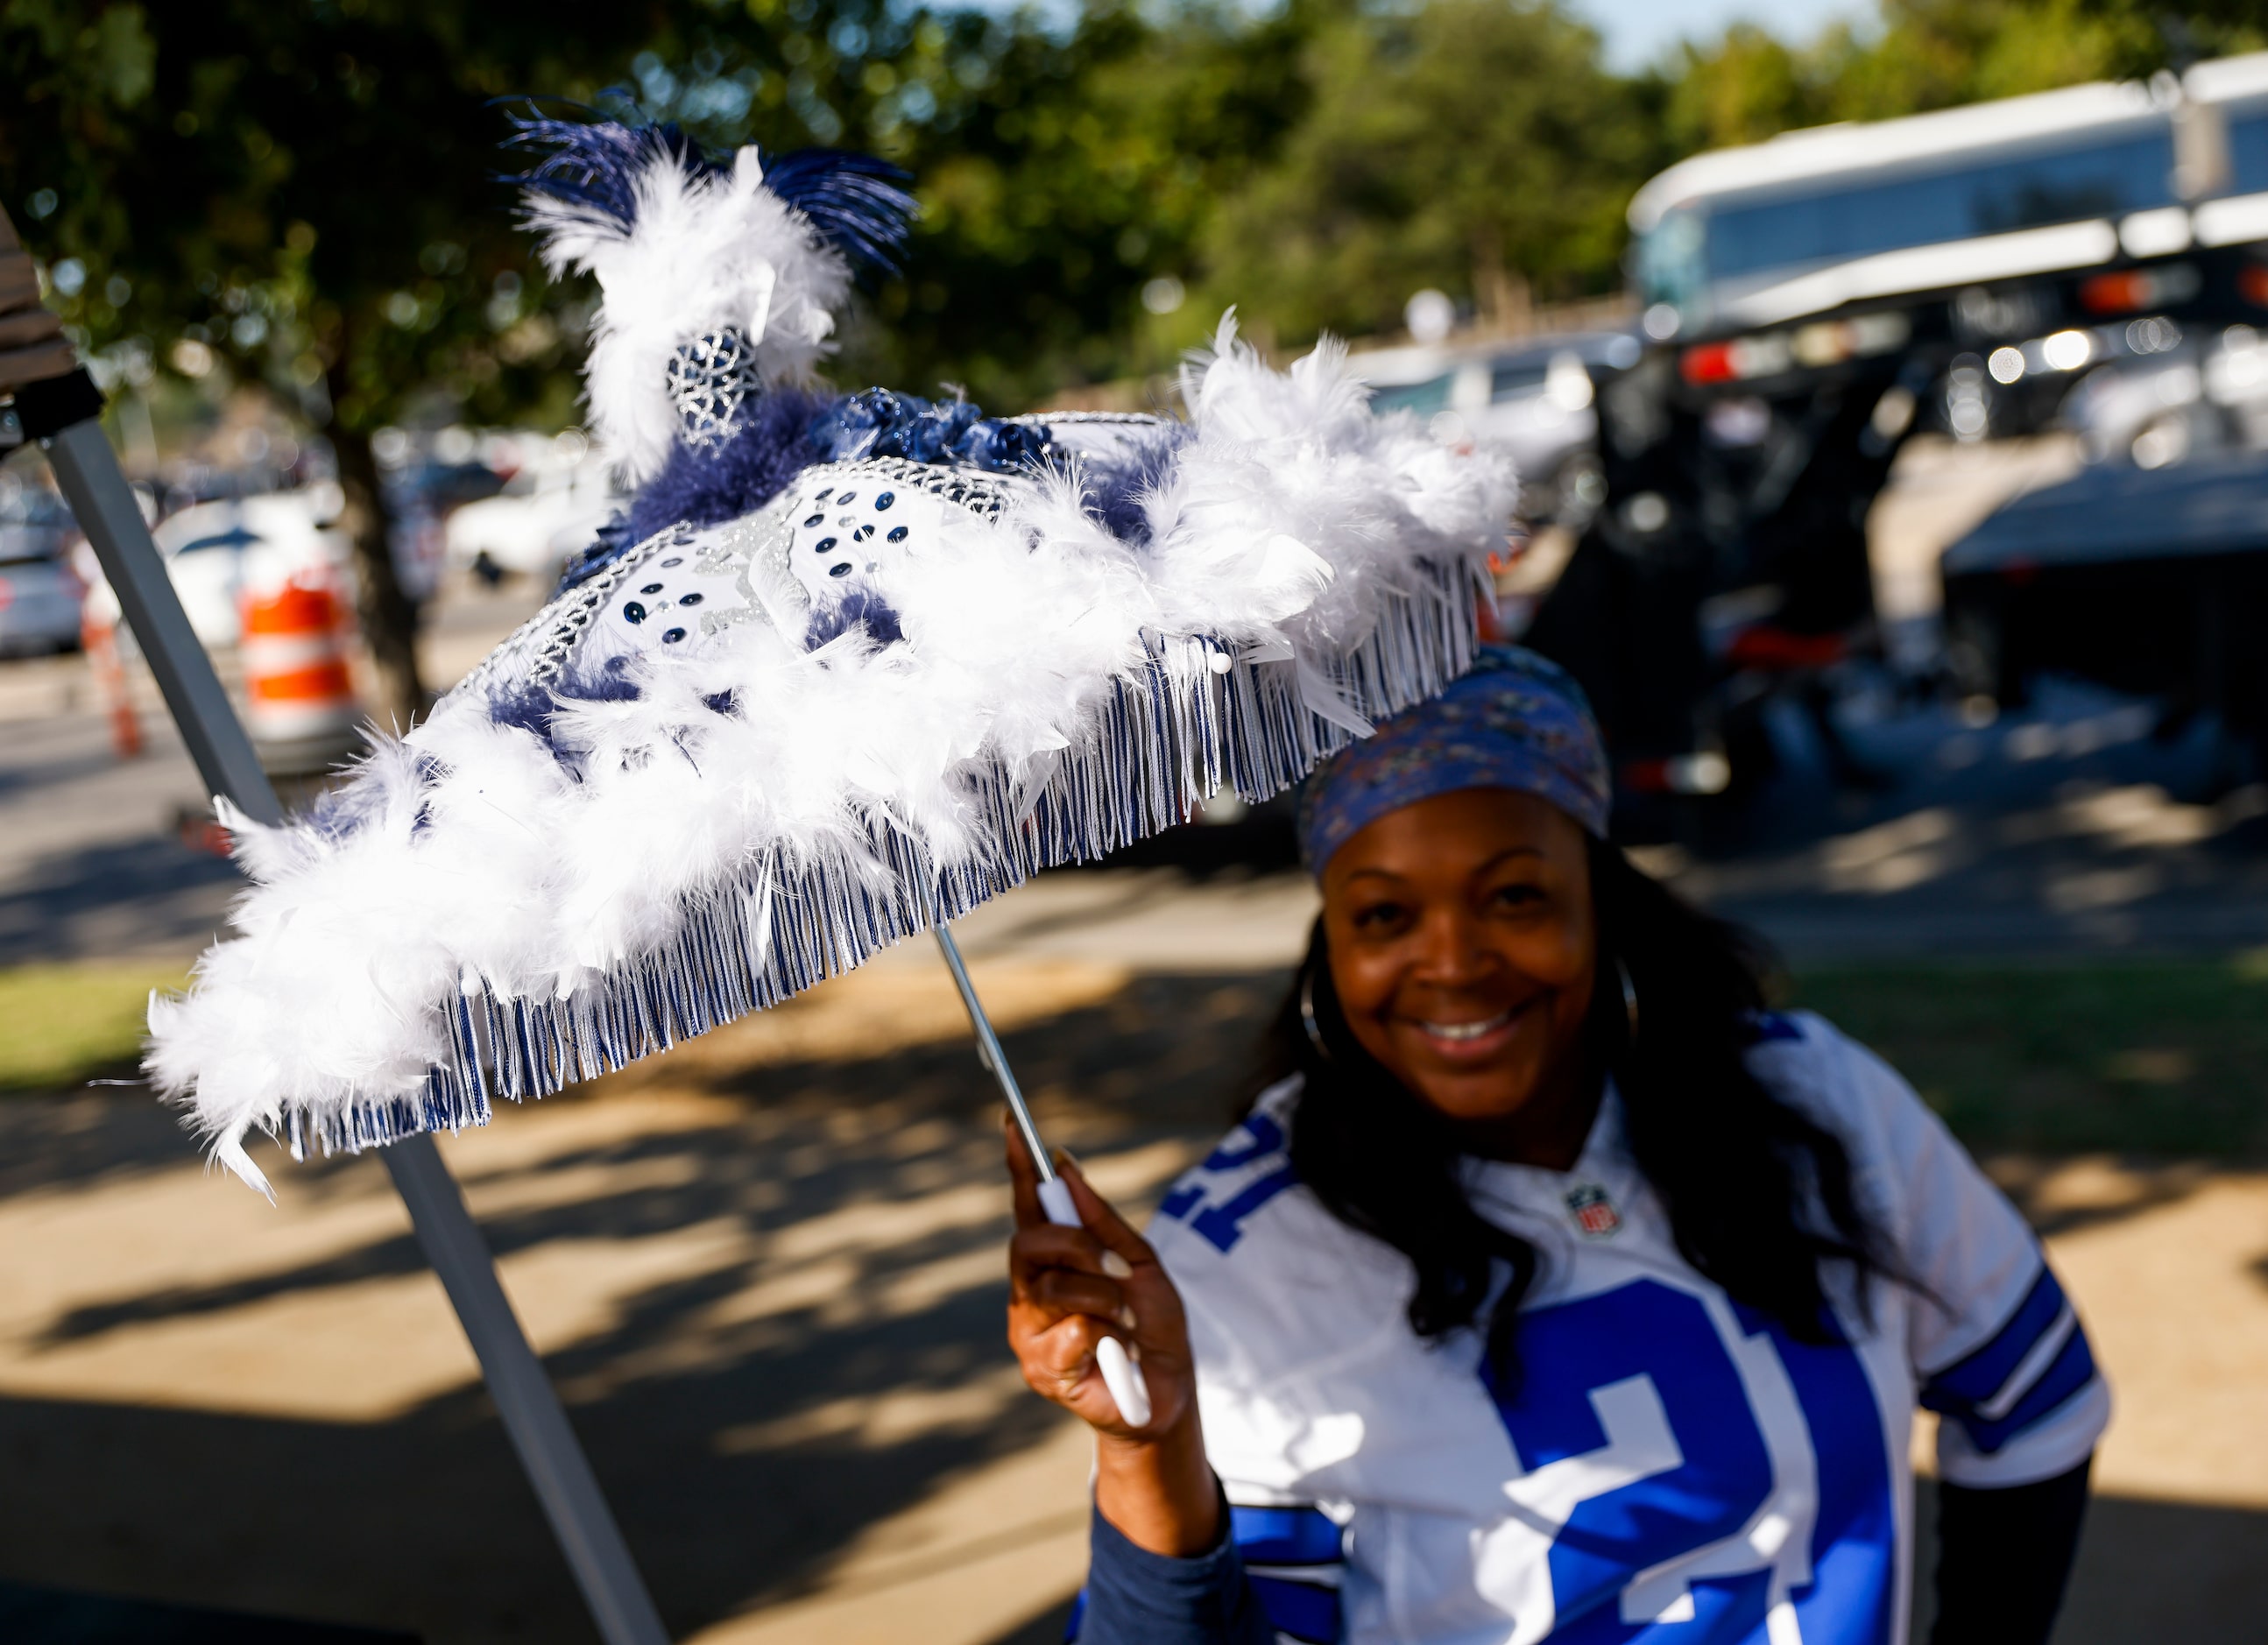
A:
x: 307, y: 192
x: 1467, y: 144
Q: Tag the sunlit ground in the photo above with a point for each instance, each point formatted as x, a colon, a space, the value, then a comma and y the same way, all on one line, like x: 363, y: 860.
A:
x: 765, y: 1272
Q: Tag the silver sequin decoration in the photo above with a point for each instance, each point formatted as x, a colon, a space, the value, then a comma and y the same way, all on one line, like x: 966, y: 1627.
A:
x: 710, y: 379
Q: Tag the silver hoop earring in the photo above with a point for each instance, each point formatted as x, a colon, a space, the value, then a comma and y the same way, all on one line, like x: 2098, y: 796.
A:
x: 1308, y: 1013
x: 1629, y: 995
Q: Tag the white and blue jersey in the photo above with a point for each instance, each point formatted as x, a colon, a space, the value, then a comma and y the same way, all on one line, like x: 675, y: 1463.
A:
x: 1671, y: 1467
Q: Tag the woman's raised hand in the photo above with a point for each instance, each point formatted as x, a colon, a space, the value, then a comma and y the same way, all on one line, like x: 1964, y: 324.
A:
x: 1068, y: 1289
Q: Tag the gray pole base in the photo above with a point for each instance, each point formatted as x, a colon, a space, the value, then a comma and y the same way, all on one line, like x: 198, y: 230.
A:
x: 523, y: 1397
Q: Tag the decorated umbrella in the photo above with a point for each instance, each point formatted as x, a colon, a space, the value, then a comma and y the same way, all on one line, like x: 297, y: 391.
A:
x: 845, y: 668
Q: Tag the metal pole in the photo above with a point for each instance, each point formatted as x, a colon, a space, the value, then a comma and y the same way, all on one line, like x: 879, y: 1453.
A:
x: 88, y: 472
x: 524, y: 1398
x: 988, y: 1050
x: 1120, y: 1374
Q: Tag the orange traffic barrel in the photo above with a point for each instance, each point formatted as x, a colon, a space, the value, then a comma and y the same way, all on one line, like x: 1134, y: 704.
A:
x: 299, y: 700
x: 99, y: 640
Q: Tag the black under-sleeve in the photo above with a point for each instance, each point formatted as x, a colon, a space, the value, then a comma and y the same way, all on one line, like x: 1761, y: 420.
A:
x: 2003, y: 1559
x: 1137, y: 1597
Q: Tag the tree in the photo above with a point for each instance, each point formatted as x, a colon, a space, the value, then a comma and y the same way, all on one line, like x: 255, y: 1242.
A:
x: 1934, y: 53
x: 1078, y: 170
x: 1060, y: 169
x: 1749, y: 85
x: 1469, y: 144
x: 304, y: 193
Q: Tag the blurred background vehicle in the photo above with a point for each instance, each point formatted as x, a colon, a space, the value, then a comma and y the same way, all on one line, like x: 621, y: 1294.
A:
x: 1532, y: 400
x: 40, y: 599
x: 2162, y: 395
x: 424, y: 475
x: 2085, y: 259
x: 39, y: 592
x: 2150, y: 580
x: 559, y: 493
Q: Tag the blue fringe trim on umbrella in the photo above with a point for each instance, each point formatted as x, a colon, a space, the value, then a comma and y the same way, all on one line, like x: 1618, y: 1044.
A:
x: 1165, y: 741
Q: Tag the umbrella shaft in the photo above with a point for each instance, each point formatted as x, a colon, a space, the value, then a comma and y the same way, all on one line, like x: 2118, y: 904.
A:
x: 988, y: 1048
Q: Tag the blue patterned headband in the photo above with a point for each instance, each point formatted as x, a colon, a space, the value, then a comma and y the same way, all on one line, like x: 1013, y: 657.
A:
x: 1514, y: 721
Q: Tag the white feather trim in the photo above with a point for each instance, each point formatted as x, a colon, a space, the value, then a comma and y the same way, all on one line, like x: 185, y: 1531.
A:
x: 486, y: 862
x: 705, y: 252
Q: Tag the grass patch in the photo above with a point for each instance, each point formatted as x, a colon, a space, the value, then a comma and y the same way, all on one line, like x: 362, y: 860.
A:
x: 2141, y: 1056
x: 62, y: 1025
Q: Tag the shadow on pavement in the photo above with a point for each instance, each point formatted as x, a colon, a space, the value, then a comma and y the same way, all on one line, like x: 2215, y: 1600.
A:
x: 1044, y: 1629
x: 123, y: 896
x: 49, y: 1616
x: 2072, y: 826
x: 748, y: 1421
x: 753, y: 1413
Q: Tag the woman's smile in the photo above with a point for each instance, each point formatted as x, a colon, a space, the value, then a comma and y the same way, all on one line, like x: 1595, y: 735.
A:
x: 1463, y: 1037
x: 1462, y: 1032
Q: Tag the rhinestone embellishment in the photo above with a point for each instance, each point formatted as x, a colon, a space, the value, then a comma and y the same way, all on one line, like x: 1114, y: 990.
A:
x: 710, y: 379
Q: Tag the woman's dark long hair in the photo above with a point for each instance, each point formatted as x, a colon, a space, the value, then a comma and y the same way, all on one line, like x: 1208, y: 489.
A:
x: 1759, y: 1195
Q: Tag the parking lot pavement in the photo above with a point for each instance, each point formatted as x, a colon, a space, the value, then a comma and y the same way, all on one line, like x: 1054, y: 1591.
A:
x: 765, y: 1272
x: 2070, y: 828
x: 94, y: 862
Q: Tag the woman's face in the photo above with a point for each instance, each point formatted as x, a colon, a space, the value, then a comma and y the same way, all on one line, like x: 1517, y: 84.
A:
x: 1462, y: 946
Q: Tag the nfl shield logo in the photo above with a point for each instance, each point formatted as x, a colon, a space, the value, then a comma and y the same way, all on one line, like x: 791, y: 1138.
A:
x: 1594, y: 1212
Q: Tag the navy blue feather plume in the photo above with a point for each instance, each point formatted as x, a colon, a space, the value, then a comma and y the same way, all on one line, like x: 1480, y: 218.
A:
x: 595, y: 164
x: 857, y: 203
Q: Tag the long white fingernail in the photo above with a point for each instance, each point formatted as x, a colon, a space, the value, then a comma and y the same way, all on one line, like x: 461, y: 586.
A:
x: 1116, y: 1266
x: 1126, y: 1318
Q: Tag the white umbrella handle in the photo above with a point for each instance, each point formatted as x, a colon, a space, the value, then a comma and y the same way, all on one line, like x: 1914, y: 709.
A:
x: 1120, y: 1374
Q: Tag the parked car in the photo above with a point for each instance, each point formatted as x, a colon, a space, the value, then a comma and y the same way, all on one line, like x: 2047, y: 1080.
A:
x: 2192, y: 395
x: 39, y: 593
x: 545, y: 513
x: 2149, y: 581
x: 35, y: 522
x: 216, y: 551
x: 40, y: 598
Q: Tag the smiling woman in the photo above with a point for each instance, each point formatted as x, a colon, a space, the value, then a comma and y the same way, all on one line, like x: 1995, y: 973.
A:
x: 1463, y: 947
x: 1552, y: 1287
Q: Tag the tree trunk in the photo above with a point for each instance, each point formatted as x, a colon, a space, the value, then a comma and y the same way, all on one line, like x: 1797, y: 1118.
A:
x: 1508, y: 308
x: 389, y: 615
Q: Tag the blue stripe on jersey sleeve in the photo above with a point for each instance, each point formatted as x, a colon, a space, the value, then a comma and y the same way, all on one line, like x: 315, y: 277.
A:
x: 1279, y: 1546
x: 1301, y: 1610
x: 1286, y: 1536
x: 1769, y: 1025
x: 2071, y: 1371
x: 1972, y: 1381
